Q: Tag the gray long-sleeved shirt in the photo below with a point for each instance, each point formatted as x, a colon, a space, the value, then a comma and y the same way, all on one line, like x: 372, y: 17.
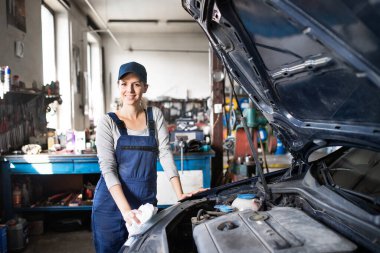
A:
x: 107, y: 135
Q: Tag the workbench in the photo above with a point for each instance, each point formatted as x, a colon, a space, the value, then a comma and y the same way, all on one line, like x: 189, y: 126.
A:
x: 196, y: 173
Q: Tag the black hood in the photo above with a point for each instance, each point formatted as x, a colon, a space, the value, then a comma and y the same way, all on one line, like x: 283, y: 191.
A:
x: 312, y: 67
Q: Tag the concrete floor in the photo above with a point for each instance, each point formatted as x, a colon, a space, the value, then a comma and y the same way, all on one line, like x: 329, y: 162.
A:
x: 61, y: 242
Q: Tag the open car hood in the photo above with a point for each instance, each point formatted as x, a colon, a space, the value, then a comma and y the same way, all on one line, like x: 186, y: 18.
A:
x: 312, y: 67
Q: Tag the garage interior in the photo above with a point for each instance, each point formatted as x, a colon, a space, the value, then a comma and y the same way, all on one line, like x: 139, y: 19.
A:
x: 59, y: 68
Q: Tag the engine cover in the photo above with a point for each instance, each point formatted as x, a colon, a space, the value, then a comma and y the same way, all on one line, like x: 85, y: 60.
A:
x: 282, y: 229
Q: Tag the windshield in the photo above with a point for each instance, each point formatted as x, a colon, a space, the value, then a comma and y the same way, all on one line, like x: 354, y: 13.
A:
x: 353, y: 172
x: 358, y: 170
x: 322, y: 152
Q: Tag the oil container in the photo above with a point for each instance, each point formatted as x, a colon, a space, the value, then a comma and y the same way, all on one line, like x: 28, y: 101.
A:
x: 18, y: 234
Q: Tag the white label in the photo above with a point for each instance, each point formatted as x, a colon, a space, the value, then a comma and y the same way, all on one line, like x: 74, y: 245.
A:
x: 218, y: 108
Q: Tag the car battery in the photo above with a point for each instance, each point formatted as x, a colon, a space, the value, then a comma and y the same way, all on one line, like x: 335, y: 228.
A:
x: 18, y: 234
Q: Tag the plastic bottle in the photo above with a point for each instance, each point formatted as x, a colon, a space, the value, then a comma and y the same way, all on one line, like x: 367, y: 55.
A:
x: 2, y: 82
x: 70, y: 140
x: 280, y: 150
x: 7, y: 80
x: 245, y: 201
x: 50, y: 142
x: 25, y: 196
x: 16, y: 196
x: 1, y: 90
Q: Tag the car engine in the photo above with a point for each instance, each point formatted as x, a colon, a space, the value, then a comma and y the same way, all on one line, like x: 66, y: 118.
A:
x: 277, y: 230
x: 279, y: 225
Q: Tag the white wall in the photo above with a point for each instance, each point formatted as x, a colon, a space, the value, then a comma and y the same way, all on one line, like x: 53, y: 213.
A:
x: 29, y: 68
x: 173, y: 74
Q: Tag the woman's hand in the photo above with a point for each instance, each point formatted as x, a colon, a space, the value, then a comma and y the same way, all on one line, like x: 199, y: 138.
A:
x: 184, y: 195
x: 130, y: 217
x: 189, y: 194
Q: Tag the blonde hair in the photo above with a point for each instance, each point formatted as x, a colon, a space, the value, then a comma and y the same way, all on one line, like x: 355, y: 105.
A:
x: 144, y: 102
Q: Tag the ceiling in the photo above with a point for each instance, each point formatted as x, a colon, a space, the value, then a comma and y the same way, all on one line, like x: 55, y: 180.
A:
x: 139, y: 16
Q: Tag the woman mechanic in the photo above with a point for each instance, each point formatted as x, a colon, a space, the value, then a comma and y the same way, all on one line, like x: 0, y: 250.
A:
x: 128, y: 143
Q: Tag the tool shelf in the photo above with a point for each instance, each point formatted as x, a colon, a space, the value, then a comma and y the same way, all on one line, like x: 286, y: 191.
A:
x: 196, y: 173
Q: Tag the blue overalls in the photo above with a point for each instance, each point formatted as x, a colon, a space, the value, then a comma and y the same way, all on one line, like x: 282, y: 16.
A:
x: 136, y: 157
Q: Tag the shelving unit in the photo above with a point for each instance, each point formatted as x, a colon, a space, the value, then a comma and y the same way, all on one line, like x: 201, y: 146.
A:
x: 43, y: 164
x: 180, y: 106
x: 196, y: 165
x: 52, y: 209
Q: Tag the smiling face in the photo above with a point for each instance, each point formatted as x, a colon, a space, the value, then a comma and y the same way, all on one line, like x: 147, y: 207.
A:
x: 131, y: 89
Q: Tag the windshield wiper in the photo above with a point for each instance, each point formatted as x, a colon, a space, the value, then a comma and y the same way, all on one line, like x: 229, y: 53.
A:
x: 374, y: 200
x: 329, y: 181
x: 327, y: 178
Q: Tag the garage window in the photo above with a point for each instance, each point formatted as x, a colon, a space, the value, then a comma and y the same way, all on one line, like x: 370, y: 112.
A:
x: 48, y: 44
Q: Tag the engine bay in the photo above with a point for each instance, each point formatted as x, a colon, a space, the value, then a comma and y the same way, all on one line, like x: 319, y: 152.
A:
x: 301, y: 212
x: 266, y: 226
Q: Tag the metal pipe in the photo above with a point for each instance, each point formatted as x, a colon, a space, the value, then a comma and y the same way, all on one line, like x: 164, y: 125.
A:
x: 103, y: 23
x: 182, y: 145
x: 167, y: 50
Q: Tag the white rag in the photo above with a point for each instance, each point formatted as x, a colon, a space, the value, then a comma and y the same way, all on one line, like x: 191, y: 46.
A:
x: 146, y: 212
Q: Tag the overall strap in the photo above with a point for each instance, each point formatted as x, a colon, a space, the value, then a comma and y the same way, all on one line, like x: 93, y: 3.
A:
x: 119, y: 123
x: 151, y: 123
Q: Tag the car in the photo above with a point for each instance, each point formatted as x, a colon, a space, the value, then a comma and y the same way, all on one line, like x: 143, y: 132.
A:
x: 313, y: 70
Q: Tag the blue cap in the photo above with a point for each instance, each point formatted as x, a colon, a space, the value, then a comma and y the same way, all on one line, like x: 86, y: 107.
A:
x: 224, y: 208
x: 246, y: 196
x: 133, y: 67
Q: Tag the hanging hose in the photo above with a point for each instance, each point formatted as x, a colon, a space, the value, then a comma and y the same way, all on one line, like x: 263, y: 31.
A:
x: 259, y: 170
x: 264, y: 156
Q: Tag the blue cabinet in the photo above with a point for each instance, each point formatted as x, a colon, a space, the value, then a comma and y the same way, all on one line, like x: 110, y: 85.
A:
x: 196, y: 174
x: 42, y: 164
x: 195, y: 164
